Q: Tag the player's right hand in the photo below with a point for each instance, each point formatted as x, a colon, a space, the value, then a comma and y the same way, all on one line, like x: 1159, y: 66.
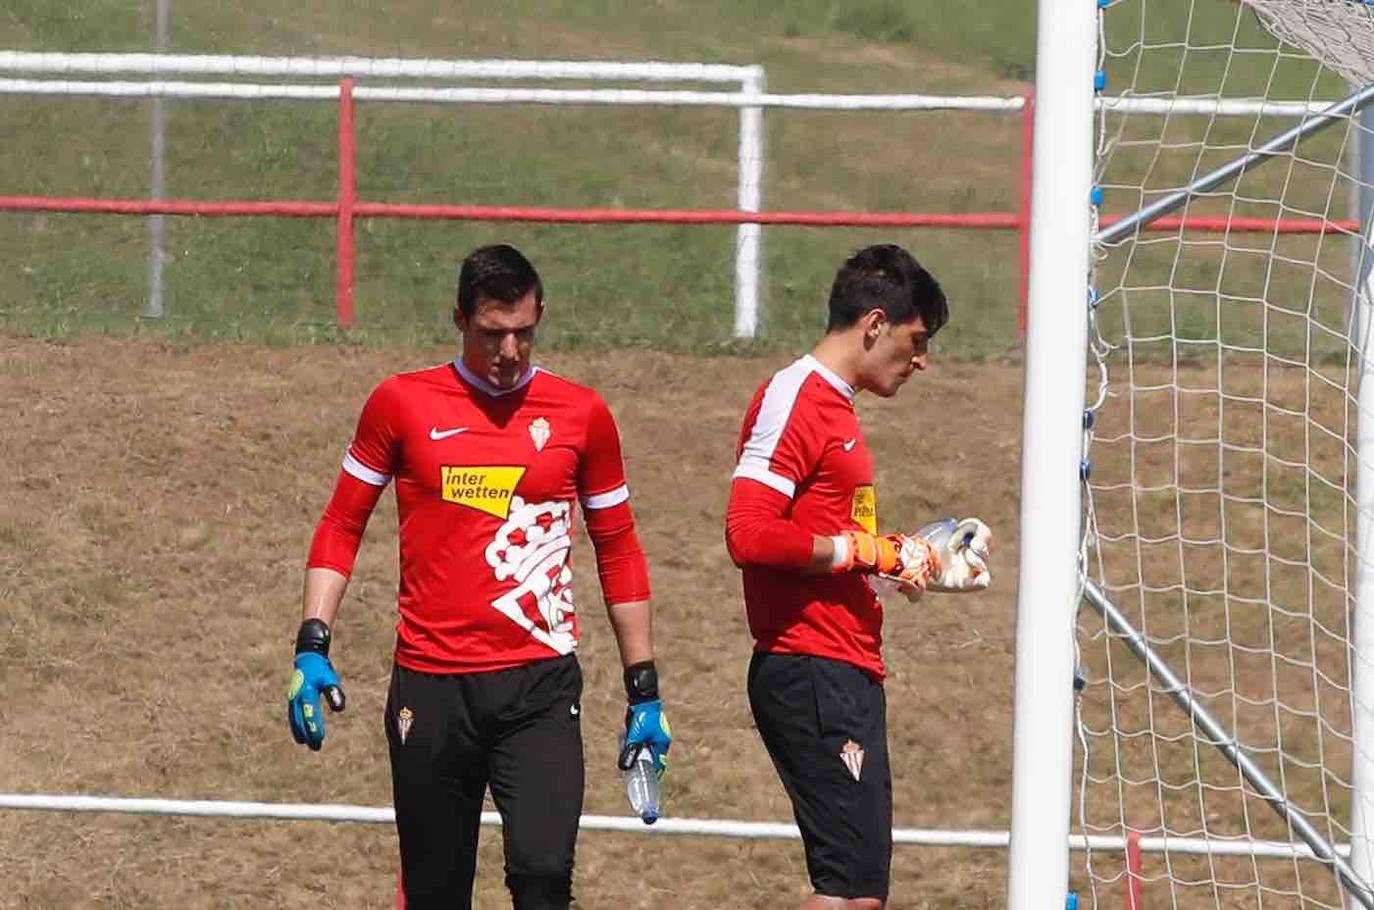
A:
x: 909, y: 561
x: 314, y: 676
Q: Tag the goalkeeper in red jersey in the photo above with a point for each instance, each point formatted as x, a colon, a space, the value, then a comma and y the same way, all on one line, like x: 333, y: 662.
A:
x: 802, y: 526
x: 490, y: 456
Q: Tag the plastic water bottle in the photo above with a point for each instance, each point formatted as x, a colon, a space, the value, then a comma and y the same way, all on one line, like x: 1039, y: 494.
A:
x: 939, y: 534
x: 960, y: 565
x: 641, y: 787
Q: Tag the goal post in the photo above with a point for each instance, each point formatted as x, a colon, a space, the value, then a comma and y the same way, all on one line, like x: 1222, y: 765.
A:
x: 1051, y: 429
x: 1220, y: 678
x: 1362, y: 669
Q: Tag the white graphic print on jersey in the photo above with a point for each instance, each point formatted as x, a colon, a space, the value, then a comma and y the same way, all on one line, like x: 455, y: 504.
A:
x: 532, y: 548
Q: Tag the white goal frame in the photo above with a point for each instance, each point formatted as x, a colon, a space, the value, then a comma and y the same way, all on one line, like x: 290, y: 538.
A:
x: 1051, y: 494
x: 1062, y: 234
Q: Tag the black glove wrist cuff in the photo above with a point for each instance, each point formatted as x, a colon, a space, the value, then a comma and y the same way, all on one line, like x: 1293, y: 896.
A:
x: 641, y: 682
x: 314, y: 636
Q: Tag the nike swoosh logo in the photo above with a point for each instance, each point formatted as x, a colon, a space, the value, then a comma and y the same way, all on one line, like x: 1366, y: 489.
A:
x: 851, y: 444
x: 437, y: 434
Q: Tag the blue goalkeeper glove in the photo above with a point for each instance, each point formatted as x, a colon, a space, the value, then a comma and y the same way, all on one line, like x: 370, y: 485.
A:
x: 314, y: 676
x: 646, y: 726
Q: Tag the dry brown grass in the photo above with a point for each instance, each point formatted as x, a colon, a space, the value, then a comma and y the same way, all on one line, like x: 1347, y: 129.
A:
x: 158, y: 506
x: 161, y: 498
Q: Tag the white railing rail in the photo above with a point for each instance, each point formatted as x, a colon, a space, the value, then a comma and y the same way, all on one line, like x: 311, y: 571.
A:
x: 371, y: 67
x: 708, y: 827
x: 1008, y: 104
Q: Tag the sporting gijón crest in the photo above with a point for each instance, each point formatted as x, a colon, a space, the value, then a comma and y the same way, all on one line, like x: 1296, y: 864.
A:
x: 853, y: 757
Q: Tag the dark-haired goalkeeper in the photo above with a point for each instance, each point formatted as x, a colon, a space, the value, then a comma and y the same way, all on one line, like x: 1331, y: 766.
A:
x: 802, y: 526
x: 490, y: 456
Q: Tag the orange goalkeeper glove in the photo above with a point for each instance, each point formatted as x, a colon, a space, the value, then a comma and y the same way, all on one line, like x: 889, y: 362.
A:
x: 906, y: 560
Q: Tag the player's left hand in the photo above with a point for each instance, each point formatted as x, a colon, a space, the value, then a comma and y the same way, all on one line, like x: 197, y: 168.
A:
x: 646, y: 727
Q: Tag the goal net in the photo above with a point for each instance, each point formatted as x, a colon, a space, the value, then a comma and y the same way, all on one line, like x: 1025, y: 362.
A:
x: 1219, y: 717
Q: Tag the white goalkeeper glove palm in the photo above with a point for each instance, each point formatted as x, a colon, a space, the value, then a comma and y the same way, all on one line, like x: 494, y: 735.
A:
x: 963, y: 547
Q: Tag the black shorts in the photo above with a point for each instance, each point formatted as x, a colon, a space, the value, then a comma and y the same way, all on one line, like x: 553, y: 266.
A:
x: 824, y: 723
x: 518, y: 731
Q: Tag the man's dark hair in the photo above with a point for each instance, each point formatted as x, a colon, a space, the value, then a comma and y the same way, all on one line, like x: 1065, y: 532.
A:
x: 496, y: 272
x: 889, y: 278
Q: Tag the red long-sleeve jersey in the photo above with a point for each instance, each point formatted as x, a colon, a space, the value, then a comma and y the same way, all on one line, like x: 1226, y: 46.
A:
x: 803, y: 470
x: 487, y: 483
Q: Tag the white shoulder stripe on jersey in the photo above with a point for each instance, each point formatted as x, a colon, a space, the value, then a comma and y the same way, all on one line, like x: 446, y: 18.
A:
x: 767, y: 478
x: 831, y: 377
x: 606, y: 500
x: 357, y: 469
x: 755, y: 460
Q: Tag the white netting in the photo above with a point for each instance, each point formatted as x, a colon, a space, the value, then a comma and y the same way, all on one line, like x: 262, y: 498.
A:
x: 1340, y: 33
x: 1222, y: 500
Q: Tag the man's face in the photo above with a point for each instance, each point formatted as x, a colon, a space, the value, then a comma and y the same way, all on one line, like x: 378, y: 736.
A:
x: 498, y: 338
x: 897, y: 351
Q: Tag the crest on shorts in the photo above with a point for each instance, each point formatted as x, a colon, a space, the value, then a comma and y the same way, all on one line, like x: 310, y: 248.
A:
x: 404, y: 718
x: 540, y: 432
x: 853, y: 757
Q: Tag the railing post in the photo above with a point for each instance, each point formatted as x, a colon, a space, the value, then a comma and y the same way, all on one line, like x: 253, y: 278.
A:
x: 749, y: 237
x: 1027, y: 183
x: 348, y: 198
x: 1133, y: 875
x: 157, y: 234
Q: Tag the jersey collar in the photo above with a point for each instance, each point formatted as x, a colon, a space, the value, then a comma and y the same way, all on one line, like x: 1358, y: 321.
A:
x: 482, y: 385
x: 830, y: 376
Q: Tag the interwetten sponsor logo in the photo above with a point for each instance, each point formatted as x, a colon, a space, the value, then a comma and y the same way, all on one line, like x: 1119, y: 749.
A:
x: 484, y: 488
